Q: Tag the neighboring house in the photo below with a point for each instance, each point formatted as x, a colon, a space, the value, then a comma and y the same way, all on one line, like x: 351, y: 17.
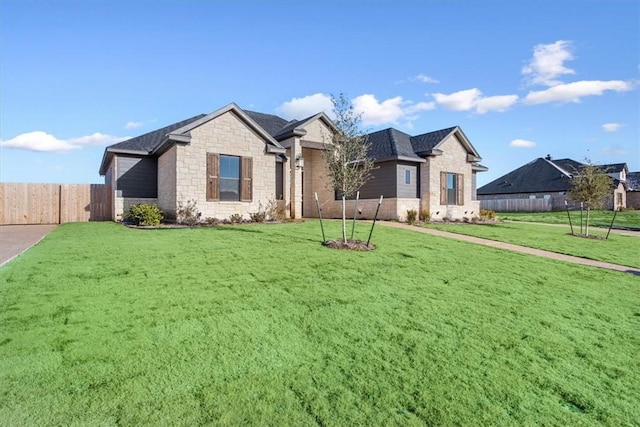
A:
x: 617, y: 171
x: 544, y: 185
x: 633, y: 190
x: 234, y: 161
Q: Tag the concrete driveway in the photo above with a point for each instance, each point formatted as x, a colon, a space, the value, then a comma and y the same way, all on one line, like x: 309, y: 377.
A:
x: 15, y: 239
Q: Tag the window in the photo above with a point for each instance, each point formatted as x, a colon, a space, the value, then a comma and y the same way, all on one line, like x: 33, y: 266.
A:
x: 451, y: 188
x: 407, y: 176
x: 279, y: 181
x: 229, y: 178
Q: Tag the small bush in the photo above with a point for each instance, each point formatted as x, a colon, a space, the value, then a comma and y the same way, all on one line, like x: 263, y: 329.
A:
x: 259, y: 216
x: 235, y: 219
x: 188, y: 213
x: 211, y: 221
x: 487, y: 215
x: 425, y: 215
x: 144, y: 214
x: 412, y: 215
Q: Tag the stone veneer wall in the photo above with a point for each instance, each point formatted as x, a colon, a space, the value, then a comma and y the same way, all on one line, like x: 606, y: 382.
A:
x: 454, y: 160
x: 229, y: 135
x: 391, y: 209
x: 167, y: 182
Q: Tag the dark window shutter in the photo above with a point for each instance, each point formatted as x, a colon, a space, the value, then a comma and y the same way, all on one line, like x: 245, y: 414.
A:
x: 246, y: 192
x: 213, y: 177
x: 443, y: 188
x: 460, y: 189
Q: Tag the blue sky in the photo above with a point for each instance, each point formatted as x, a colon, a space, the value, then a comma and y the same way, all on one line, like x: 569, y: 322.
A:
x: 523, y: 79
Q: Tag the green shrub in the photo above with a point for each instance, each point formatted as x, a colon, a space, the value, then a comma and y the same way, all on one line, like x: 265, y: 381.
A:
x: 144, y: 214
x: 412, y: 215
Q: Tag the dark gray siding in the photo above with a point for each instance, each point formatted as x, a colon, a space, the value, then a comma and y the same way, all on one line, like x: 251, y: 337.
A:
x: 407, y: 191
x: 137, y: 177
x: 383, y: 182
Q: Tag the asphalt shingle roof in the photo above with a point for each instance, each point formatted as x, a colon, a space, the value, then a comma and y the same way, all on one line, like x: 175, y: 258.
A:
x: 151, y: 140
x: 427, y: 141
x: 387, y: 143
x: 390, y: 143
x: 537, y: 176
x: 269, y: 122
x: 614, y: 167
x: 633, y: 181
x: 394, y: 143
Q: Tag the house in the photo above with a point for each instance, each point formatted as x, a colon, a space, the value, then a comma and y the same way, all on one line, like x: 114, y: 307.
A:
x: 433, y: 172
x: 633, y: 190
x: 544, y: 185
x: 235, y: 161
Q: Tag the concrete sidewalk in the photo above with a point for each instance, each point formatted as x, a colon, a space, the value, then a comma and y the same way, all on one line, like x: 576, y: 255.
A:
x: 16, y: 239
x: 515, y: 248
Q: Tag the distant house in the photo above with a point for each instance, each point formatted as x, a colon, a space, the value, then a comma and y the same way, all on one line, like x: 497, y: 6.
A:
x: 544, y: 185
x: 633, y: 190
x: 234, y: 161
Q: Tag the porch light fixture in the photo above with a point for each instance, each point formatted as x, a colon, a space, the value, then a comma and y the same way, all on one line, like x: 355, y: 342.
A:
x: 299, y: 162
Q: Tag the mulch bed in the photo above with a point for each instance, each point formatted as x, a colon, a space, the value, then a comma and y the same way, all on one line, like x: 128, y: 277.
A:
x: 350, y: 245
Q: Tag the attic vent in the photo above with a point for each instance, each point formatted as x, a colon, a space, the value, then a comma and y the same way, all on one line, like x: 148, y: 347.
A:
x: 548, y: 157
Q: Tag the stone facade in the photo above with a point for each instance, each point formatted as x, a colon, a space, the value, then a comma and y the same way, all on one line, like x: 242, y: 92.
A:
x: 226, y: 134
x: 167, y: 201
x: 453, y: 160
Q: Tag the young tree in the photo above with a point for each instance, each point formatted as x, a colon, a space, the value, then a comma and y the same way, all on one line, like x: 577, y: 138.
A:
x: 347, y: 158
x: 592, y: 186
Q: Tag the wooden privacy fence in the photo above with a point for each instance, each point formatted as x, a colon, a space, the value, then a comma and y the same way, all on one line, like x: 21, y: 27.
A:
x: 54, y: 203
x: 517, y: 205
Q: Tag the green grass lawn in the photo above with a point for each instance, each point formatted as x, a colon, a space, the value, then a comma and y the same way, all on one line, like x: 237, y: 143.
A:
x: 623, y: 219
x: 262, y: 325
x: 618, y: 249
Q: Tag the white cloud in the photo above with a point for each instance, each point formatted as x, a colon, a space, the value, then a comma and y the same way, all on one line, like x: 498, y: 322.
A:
x: 299, y: 108
x: 44, y: 142
x: 495, y: 103
x: 466, y: 100
x: 612, y: 127
x: 374, y: 112
x: 522, y: 143
x: 463, y: 100
x: 424, y: 79
x: 133, y: 125
x: 391, y: 110
x: 548, y: 63
x: 615, y: 151
x: 572, y: 92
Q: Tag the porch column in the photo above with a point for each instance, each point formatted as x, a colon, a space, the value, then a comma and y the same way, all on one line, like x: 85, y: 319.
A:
x: 296, y: 180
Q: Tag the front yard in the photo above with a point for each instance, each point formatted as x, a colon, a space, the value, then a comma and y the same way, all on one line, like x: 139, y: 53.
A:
x: 618, y: 249
x: 260, y: 324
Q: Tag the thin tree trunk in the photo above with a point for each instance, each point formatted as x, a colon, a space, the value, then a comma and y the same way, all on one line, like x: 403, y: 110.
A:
x: 587, y: 224
x: 344, y: 220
